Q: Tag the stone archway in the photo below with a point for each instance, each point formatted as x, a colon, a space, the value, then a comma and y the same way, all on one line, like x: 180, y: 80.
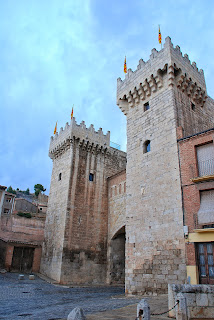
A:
x: 117, y: 258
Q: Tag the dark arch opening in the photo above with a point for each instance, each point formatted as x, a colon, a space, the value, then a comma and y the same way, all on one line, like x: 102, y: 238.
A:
x: 117, y: 257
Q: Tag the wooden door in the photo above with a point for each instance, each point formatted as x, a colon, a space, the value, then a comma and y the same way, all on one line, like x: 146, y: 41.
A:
x: 206, y: 262
x: 22, y: 259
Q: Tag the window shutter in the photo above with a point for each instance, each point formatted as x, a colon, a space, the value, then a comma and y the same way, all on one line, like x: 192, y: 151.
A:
x: 206, y: 211
x: 205, y: 155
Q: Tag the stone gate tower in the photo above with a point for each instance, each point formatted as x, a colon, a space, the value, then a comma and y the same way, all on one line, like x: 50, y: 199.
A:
x: 75, y: 246
x: 164, y: 98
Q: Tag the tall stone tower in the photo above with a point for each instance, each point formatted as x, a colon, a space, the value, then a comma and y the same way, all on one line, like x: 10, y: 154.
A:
x: 75, y: 246
x: 166, y: 96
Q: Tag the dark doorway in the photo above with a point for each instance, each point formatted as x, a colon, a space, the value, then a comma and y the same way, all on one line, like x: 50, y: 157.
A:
x: 22, y: 259
x: 117, y: 258
x: 206, y: 262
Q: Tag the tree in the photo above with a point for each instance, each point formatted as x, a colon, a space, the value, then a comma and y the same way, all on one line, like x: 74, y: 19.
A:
x: 11, y: 190
x: 38, y: 188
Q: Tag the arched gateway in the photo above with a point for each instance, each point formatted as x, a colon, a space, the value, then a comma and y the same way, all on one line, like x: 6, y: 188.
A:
x: 116, y: 270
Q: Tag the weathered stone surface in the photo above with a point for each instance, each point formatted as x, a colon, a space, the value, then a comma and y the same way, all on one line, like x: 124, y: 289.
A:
x: 3, y: 271
x: 181, y: 308
x: 143, y: 310
x: 154, y: 217
x: 116, y: 228
x: 89, y: 221
x: 199, y: 300
x: 76, y: 314
x: 75, y: 246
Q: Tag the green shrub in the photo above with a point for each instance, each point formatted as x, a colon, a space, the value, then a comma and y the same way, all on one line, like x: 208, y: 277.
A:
x: 24, y: 214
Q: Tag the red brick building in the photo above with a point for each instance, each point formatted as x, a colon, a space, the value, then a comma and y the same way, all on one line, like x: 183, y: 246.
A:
x: 20, y: 238
x: 196, y: 155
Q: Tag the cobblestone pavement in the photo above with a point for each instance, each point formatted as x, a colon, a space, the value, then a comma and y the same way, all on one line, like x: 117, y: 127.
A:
x: 39, y: 300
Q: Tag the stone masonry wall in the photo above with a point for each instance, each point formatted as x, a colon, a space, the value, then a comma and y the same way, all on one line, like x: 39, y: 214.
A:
x: 56, y: 216
x: 199, y: 300
x: 154, y: 228
x: 193, y: 117
x: 116, y: 228
x: 116, y: 203
x: 85, y: 243
x: 155, y: 249
x: 75, y: 244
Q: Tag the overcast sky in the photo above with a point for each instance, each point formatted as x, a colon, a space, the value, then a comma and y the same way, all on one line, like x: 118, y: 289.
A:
x: 56, y: 53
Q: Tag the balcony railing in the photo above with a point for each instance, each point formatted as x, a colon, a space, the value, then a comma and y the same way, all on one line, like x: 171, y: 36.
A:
x: 206, y: 168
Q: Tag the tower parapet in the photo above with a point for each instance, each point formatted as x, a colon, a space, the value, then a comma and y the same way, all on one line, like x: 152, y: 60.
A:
x: 75, y: 245
x: 165, y: 93
x: 63, y: 139
x: 149, y: 77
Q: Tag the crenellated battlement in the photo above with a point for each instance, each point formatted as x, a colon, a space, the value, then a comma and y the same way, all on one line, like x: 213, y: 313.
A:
x: 162, y: 69
x: 86, y: 136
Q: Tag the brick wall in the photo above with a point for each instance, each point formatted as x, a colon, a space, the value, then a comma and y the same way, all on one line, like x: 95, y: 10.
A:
x: 37, y: 259
x: 9, y: 256
x: 3, y: 246
x: 20, y: 231
x: 14, y: 228
x: 191, y: 190
x: 194, y: 120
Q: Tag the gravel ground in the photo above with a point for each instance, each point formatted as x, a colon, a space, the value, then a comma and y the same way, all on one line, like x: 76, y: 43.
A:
x: 40, y: 300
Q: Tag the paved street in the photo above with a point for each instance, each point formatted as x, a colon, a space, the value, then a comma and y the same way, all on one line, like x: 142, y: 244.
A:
x: 40, y: 300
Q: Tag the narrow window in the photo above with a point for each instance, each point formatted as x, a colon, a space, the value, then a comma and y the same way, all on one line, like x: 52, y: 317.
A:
x: 146, y: 106
x: 115, y: 190
x: 192, y: 106
x: 91, y: 177
x: 60, y: 176
x: 146, y: 147
x: 120, y: 189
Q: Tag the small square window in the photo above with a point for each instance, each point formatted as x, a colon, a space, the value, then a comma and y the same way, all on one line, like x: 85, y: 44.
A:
x: 146, y: 106
x: 91, y: 177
